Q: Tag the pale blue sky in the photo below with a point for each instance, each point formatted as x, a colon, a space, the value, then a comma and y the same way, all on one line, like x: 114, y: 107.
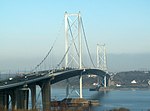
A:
x: 29, y: 27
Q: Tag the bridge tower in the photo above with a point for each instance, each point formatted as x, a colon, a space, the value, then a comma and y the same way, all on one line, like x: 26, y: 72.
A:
x: 101, y: 60
x: 72, y: 37
x: 101, y: 57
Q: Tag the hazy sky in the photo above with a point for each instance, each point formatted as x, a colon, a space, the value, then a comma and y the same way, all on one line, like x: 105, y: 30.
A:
x: 29, y: 27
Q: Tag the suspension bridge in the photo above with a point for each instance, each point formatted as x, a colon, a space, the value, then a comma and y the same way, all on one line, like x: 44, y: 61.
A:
x: 16, y: 90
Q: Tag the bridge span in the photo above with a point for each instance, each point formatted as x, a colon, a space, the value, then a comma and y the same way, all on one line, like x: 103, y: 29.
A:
x: 17, y: 89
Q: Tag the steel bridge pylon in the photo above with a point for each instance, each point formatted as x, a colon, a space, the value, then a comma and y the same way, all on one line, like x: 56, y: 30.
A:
x: 73, y: 36
x: 73, y: 40
x: 102, y: 60
x: 101, y: 57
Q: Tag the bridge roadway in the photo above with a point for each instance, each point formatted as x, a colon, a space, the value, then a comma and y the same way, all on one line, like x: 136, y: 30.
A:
x: 14, y: 86
x: 54, y: 76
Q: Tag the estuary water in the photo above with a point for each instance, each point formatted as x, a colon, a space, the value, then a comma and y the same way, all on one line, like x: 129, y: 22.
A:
x: 132, y: 99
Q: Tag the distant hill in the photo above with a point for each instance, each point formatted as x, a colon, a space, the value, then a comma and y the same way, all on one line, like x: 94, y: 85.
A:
x: 125, y: 78
x: 74, y: 81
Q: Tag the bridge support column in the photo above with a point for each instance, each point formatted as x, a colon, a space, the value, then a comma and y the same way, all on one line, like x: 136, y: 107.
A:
x: 105, y: 82
x: 67, y: 88
x: 33, y: 96
x: 108, y: 82
x: 1, y: 100
x: 4, y: 99
x: 46, y: 95
x: 98, y: 80
x: 13, y: 95
x: 81, y: 86
x: 23, y: 98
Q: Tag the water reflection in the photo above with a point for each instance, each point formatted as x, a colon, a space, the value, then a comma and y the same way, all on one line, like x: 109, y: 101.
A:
x: 98, y: 95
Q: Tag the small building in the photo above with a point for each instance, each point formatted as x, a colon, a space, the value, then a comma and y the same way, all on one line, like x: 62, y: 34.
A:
x: 149, y: 82
x: 133, y: 82
x: 118, y: 85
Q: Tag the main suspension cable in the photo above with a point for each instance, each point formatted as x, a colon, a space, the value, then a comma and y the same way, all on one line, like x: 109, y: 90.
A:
x: 63, y: 57
x: 87, y: 44
x: 58, y: 34
x: 45, y: 56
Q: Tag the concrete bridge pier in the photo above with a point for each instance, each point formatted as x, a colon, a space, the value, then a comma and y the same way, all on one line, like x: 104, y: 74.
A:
x: 67, y: 88
x: 33, y: 96
x: 105, y: 81
x: 81, y: 96
x: 4, y: 100
x: 13, y: 95
x: 19, y: 98
x: 46, y: 95
x: 23, y: 99
x: 108, y: 81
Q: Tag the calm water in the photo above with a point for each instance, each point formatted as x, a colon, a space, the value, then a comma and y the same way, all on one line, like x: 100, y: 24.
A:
x: 133, y: 99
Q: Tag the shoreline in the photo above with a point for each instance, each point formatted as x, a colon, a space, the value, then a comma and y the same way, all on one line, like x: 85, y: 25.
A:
x: 124, y: 88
